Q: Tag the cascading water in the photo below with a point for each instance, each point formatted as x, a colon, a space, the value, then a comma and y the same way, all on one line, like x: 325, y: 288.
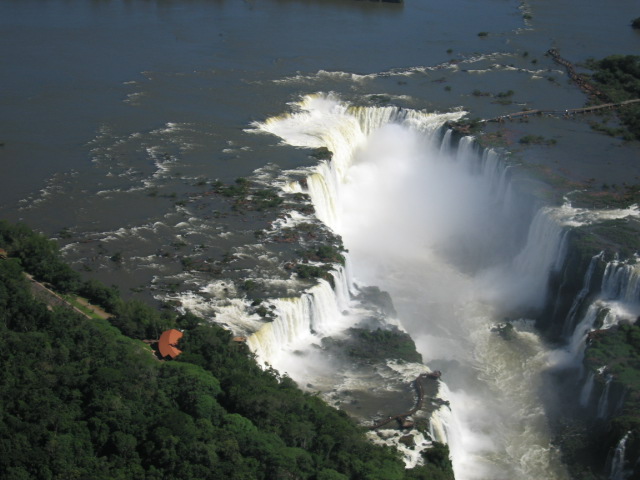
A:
x: 618, y: 471
x: 603, y: 402
x: 577, y: 302
x: 585, y: 394
x: 417, y: 221
x: 616, y: 301
x: 302, y: 321
x: 621, y: 281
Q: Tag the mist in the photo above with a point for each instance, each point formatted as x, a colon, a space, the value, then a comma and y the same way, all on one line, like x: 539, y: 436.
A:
x: 435, y: 227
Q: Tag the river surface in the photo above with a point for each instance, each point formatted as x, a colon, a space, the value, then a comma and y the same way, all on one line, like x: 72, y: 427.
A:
x: 115, y: 115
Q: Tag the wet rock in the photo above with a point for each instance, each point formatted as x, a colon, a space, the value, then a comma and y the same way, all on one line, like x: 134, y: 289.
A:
x: 407, y: 440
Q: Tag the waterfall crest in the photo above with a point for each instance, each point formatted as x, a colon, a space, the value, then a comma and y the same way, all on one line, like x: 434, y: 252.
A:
x: 323, y: 121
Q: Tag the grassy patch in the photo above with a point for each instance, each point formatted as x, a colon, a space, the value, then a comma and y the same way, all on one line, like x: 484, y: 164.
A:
x: 73, y: 300
x: 536, y: 140
x: 375, y: 345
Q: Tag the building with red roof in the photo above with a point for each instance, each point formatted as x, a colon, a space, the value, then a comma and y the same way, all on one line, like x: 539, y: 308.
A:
x: 167, y: 343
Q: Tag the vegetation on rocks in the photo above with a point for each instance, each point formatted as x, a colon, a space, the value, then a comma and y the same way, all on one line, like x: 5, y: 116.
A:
x: 618, y: 350
x: 248, y: 196
x: 375, y: 345
x: 536, y: 140
x: 325, y: 253
x: 321, y: 153
x: 81, y: 400
x: 620, y: 236
x: 306, y: 271
x: 618, y: 77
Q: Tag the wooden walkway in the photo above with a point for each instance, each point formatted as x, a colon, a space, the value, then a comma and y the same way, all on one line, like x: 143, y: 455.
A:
x: 49, y: 297
x: 584, y: 85
x: 581, y: 81
x: 566, y: 113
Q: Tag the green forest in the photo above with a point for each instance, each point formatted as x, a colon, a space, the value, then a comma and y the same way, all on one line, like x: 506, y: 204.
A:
x: 85, y: 398
x: 618, y: 76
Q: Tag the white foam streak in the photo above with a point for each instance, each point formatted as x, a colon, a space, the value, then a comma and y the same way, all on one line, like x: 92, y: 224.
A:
x: 577, y: 217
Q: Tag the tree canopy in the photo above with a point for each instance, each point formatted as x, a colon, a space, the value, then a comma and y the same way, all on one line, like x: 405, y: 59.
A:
x: 618, y: 76
x: 79, y: 399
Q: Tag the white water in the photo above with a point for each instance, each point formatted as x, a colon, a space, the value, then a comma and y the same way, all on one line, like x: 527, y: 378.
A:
x: 577, y: 302
x: 617, y: 301
x: 300, y: 322
x: 619, y: 305
x: 603, y: 402
x: 406, y: 210
x: 621, y: 281
x: 617, y: 465
x: 585, y: 394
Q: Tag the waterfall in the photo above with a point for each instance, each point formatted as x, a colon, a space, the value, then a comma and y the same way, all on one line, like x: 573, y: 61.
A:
x: 421, y: 219
x: 621, y: 281
x: 465, y: 153
x: 302, y: 320
x: 579, y: 299
x: 445, y: 146
x: 585, y: 393
x: 603, y: 402
x: 324, y: 121
x: 619, y: 292
x: 523, y: 282
x: 542, y: 253
x: 617, y: 464
x: 574, y: 351
x: 618, y: 299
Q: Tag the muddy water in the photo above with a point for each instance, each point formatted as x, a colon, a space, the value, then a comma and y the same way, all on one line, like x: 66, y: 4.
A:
x: 116, y: 116
x: 75, y: 69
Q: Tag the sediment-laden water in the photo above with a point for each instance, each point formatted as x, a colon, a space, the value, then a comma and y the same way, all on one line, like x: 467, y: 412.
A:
x: 112, y: 143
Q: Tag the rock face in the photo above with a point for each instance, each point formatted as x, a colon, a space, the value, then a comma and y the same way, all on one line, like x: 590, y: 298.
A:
x: 568, y: 295
x: 590, y: 308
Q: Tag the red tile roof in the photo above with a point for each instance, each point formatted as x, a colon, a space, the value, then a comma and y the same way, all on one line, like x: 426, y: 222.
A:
x: 167, y: 343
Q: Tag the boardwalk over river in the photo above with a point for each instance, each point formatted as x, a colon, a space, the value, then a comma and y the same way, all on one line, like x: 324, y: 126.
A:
x: 567, y: 112
x: 584, y: 84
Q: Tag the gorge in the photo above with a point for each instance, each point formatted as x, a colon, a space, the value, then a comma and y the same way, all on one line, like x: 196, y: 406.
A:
x: 443, y: 225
